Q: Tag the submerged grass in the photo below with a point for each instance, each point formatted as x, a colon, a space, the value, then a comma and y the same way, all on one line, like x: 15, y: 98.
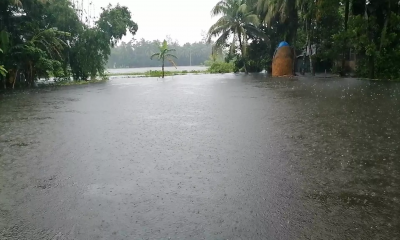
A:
x: 80, y: 82
x: 158, y: 73
x: 71, y: 83
x: 48, y: 85
x: 378, y: 80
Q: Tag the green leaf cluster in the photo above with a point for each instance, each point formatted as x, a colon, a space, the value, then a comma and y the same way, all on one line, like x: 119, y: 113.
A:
x: 47, y: 38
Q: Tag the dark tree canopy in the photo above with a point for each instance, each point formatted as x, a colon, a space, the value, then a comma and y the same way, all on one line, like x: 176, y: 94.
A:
x: 44, y: 38
x: 364, y: 33
x: 115, y: 21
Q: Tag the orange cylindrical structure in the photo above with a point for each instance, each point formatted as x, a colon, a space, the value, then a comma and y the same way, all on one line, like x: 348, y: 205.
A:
x: 282, y: 63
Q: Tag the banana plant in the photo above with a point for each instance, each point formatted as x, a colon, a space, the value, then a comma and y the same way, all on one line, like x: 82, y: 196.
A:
x: 163, y: 55
x: 3, y: 71
x: 4, y: 43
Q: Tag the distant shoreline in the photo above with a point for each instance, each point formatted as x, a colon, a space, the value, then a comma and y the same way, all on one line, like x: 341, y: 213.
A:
x: 146, y: 69
x: 156, y: 73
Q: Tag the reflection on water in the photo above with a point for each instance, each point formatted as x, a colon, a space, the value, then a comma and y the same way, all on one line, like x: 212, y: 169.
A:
x: 337, y: 138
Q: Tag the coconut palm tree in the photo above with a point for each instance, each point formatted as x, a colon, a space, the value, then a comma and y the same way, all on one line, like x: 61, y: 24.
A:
x: 237, y: 21
x: 163, y: 55
x: 286, y: 10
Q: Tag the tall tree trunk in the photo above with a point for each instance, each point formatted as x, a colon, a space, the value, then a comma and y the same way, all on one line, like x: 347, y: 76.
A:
x: 30, y: 79
x: 162, y: 69
x: 370, y: 34
x: 384, y: 30
x: 371, y: 63
x: 310, y: 56
x: 243, y: 54
x: 346, y: 22
x: 294, y: 61
x: 15, y: 78
x: 292, y: 20
x: 3, y: 79
x: 294, y: 39
x: 309, y: 48
x: 303, y: 69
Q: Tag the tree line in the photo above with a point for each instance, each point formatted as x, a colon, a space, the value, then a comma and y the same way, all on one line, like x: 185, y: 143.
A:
x: 137, y: 53
x: 53, y: 38
x: 364, y: 31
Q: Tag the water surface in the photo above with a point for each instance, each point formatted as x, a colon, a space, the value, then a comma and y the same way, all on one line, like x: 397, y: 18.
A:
x: 202, y: 157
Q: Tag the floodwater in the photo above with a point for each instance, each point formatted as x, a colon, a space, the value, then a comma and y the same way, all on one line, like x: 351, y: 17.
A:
x: 167, y: 68
x: 202, y: 157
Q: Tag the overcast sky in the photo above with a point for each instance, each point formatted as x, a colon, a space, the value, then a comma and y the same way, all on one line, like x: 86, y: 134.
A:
x: 183, y: 20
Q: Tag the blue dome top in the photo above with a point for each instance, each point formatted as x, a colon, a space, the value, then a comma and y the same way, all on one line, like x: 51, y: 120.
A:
x: 283, y: 44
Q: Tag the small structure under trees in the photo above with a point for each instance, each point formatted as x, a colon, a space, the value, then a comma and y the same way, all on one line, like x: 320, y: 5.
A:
x: 282, y: 63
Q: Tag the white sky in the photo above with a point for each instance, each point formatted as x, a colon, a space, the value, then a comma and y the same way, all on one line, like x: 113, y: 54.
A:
x: 183, y: 20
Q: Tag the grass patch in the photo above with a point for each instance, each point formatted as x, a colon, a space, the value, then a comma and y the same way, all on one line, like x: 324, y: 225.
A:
x: 378, y: 80
x: 158, y: 73
x: 71, y: 83
x: 221, y: 67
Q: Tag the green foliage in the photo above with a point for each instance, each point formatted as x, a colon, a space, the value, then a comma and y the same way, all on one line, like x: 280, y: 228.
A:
x: 371, y: 32
x: 3, y: 71
x: 92, y: 49
x: 221, y: 67
x: 114, y: 21
x: 217, y: 63
x: 164, y: 54
x: 375, y: 38
x: 157, y: 73
x: 258, y: 56
x: 283, y: 11
x: 90, y: 52
x: 328, y: 22
x: 213, y: 58
x: 238, y: 21
x: 44, y: 38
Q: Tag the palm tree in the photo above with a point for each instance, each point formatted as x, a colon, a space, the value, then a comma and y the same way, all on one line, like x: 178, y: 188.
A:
x: 164, y: 54
x: 286, y: 10
x: 237, y: 21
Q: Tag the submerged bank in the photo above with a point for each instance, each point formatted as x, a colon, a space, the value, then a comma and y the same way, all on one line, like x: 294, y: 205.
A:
x: 152, y: 73
x: 157, y: 74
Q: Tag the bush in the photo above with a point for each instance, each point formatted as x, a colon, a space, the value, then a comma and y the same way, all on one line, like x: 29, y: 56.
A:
x: 221, y: 67
x: 255, y: 66
x: 251, y: 65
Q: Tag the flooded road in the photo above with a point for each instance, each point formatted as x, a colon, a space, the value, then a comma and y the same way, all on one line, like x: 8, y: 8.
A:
x: 202, y: 157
